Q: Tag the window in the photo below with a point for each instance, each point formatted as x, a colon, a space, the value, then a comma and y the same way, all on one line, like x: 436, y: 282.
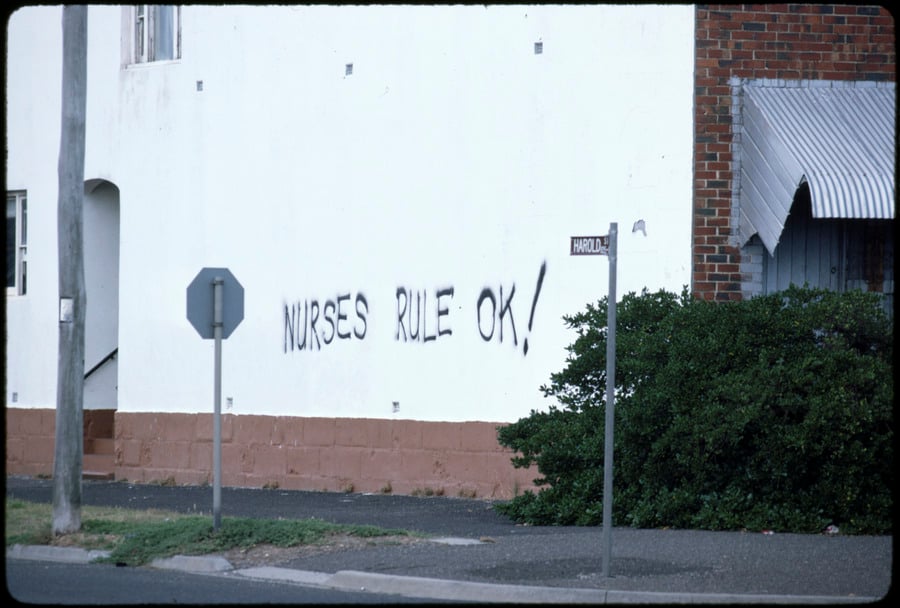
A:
x: 16, y: 243
x: 157, y: 33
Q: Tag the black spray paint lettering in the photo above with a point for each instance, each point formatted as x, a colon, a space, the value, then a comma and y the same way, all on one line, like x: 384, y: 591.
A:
x: 488, y: 294
x: 304, y: 328
x: 537, y: 292
x: 422, y: 316
x: 414, y: 328
x: 487, y: 309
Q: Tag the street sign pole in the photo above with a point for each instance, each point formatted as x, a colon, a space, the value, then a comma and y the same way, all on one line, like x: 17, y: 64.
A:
x: 610, y: 401
x: 215, y: 313
x: 606, y: 245
x: 218, y: 283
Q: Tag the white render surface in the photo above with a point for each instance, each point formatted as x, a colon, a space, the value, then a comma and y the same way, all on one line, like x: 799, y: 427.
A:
x: 453, y: 157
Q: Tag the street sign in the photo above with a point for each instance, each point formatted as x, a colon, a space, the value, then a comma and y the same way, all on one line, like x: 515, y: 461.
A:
x: 589, y: 245
x: 606, y: 245
x: 215, y: 306
x: 200, y: 302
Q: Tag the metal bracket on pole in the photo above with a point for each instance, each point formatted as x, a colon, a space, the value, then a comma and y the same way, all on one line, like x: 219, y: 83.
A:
x: 218, y: 282
x: 610, y: 401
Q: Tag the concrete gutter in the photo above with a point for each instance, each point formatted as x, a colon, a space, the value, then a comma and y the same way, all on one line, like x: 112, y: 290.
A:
x: 437, y: 589
x: 463, y: 591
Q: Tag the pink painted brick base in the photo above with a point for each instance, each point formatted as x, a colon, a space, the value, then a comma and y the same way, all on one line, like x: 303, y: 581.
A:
x: 319, y: 454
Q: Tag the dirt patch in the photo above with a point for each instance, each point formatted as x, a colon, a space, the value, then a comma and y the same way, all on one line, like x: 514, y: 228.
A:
x: 270, y: 555
x: 84, y: 540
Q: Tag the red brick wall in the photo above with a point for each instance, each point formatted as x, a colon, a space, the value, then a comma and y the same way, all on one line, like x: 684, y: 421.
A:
x: 776, y: 41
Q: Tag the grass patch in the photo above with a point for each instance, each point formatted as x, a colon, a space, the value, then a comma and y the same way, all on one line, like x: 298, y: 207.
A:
x: 136, y: 537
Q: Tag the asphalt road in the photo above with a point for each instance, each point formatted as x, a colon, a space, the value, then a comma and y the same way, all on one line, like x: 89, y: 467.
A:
x: 52, y: 584
x: 486, y: 547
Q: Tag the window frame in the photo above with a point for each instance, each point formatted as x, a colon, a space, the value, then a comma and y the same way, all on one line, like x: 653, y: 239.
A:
x: 144, y: 30
x: 19, y: 200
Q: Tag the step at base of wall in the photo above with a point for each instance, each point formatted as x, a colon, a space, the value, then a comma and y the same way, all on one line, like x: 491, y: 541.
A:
x: 95, y: 445
x: 98, y: 475
x: 98, y: 466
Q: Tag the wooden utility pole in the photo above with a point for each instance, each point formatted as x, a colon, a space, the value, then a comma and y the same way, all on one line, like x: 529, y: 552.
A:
x: 67, y: 463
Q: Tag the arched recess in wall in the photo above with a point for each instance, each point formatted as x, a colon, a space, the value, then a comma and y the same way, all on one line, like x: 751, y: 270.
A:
x: 101, y: 279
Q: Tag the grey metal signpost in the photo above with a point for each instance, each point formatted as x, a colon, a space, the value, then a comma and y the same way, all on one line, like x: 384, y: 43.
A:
x: 215, y: 306
x: 606, y: 245
x: 610, y: 400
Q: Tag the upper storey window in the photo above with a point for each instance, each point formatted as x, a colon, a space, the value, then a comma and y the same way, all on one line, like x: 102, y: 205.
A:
x: 157, y: 33
x: 16, y: 242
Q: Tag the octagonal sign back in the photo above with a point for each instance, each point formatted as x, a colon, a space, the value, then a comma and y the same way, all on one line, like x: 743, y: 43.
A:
x: 200, y: 302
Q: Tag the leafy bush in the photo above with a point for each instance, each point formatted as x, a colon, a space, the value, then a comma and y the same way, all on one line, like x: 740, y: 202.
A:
x: 771, y: 413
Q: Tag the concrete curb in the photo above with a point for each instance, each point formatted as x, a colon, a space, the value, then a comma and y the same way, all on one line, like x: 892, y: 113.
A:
x: 301, y: 577
x: 437, y: 589
x: 71, y: 555
x: 440, y: 589
x: 193, y: 563
x: 451, y: 590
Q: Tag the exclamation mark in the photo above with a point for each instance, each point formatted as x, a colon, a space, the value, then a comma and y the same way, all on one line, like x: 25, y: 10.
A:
x: 537, y: 292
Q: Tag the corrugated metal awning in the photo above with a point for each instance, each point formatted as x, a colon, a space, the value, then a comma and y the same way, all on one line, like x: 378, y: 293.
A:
x: 837, y: 138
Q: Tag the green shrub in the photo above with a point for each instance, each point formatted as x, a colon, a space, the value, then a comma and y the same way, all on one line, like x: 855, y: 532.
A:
x: 772, y: 413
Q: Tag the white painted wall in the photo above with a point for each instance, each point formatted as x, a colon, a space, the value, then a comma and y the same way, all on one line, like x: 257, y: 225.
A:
x: 33, y: 86
x: 453, y: 156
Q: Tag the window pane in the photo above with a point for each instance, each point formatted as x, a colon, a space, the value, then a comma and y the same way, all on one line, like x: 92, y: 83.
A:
x: 139, y: 34
x: 23, y: 229
x: 164, y: 36
x: 11, y: 242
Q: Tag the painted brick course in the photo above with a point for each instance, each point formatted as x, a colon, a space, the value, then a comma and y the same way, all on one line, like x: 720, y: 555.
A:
x: 405, y: 456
